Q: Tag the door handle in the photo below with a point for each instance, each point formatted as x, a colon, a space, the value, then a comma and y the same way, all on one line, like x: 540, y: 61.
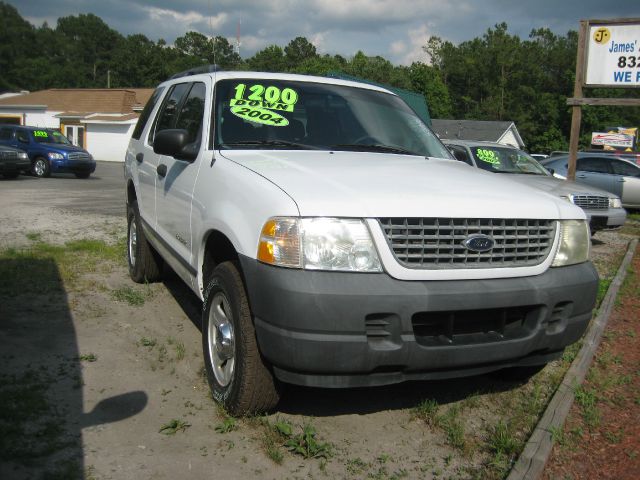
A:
x: 581, y: 176
x: 162, y: 169
x: 621, y: 180
x: 140, y: 157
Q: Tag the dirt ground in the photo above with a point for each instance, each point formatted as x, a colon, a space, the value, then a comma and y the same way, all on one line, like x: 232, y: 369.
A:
x: 601, y: 438
x: 121, y: 368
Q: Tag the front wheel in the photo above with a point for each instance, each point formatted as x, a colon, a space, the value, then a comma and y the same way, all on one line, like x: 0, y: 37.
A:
x: 82, y: 175
x: 239, y: 377
x: 41, y: 167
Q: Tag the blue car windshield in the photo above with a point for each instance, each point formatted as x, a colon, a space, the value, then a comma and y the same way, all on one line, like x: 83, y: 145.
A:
x: 50, y: 136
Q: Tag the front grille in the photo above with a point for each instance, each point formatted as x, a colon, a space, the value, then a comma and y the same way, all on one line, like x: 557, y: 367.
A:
x: 437, y: 243
x: 8, y: 155
x: 78, y: 156
x: 591, y: 202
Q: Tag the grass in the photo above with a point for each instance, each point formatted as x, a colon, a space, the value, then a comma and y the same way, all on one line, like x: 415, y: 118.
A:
x: 129, y: 295
x: 228, y: 425
x: 47, y: 268
x: 173, y: 426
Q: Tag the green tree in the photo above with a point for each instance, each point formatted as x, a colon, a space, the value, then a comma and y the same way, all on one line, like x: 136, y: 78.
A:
x: 299, y: 50
x: 270, y: 59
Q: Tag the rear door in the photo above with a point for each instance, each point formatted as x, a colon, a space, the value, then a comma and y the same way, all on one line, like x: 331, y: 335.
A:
x: 596, y: 171
x: 143, y: 161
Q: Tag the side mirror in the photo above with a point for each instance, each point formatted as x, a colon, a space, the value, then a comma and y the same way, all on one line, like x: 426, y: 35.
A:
x: 551, y: 171
x: 175, y: 143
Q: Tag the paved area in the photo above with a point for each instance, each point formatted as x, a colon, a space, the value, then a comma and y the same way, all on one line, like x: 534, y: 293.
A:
x: 102, y: 193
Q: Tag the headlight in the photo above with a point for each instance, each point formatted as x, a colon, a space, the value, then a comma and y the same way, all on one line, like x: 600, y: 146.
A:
x: 55, y: 156
x: 574, y: 243
x: 318, y: 244
x: 615, y: 202
x: 23, y: 155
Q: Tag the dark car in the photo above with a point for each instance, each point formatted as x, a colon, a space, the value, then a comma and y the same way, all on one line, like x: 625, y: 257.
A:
x: 13, y: 161
x: 603, y: 209
x: 609, y: 172
x: 49, y: 151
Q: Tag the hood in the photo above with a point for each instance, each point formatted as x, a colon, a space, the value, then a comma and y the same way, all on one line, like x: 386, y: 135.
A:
x: 371, y: 185
x: 555, y: 186
x: 63, y: 148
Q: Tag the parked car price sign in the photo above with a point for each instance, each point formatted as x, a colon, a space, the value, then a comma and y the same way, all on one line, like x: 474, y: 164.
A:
x: 613, y: 57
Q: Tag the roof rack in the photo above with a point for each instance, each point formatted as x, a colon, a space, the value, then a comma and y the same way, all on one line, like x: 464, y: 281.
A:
x: 196, y: 71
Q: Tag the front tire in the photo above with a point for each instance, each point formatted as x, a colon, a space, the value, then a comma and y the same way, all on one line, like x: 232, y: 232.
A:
x: 144, y: 263
x: 82, y: 175
x: 41, y: 167
x: 239, y: 378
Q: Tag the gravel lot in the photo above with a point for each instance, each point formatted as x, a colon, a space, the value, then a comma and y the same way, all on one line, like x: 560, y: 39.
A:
x: 122, y: 370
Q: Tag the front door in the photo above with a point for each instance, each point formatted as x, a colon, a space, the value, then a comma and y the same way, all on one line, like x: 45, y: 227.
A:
x: 184, y: 108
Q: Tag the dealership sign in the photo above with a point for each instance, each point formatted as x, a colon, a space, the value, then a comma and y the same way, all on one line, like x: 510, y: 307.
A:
x: 613, y: 55
x: 619, y: 140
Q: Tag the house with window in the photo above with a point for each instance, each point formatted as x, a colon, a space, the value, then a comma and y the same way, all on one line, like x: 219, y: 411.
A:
x: 98, y: 120
x: 505, y: 132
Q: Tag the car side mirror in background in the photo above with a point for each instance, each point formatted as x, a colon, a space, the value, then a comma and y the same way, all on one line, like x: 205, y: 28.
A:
x: 175, y: 143
x: 550, y: 170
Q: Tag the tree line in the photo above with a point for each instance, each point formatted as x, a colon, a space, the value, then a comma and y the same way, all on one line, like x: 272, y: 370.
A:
x: 497, y: 76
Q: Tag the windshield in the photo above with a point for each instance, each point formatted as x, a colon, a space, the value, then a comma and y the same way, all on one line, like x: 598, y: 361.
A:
x: 269, y: 113
x: 50, y: 136
x: 506, y: 160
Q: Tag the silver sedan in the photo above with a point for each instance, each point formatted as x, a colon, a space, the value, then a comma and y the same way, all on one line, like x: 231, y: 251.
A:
x: 609, y: 172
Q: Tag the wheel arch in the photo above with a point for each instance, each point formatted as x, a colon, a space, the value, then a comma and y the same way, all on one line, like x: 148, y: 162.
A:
x: 216, y: 248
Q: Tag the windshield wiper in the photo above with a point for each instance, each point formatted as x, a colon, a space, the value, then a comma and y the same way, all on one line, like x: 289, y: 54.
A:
x: 270, y: 143
x: 377, y: 147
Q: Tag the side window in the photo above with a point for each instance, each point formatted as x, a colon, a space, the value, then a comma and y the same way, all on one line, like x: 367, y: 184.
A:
x: 192, y: 113
x: 594, y: 164
x: 146, y: 112
x: 22, y: 136
x: 5, y: 134
x: 622, y: 168
x: 169, y: 111
x: 460, y: 154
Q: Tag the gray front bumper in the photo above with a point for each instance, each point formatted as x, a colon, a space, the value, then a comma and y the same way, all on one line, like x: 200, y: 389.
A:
x: 337, y: 329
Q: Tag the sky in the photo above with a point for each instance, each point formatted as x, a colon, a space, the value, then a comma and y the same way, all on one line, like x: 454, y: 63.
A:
x: 394, y: 29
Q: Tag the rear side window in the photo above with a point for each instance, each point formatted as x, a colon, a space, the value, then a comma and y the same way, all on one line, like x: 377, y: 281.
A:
x: 146, y: 113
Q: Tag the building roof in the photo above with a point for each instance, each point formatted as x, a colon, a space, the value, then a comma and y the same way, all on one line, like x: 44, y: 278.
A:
x: 83, y: 101
x: 491, y: 131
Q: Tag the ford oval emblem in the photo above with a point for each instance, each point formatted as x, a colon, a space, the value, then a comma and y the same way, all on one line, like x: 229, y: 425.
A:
x: 478, y: 243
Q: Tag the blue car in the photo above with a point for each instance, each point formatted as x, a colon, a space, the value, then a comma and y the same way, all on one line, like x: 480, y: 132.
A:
x: 49, y: 151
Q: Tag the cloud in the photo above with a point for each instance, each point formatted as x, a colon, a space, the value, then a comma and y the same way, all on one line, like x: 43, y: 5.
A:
x: 396, y: 29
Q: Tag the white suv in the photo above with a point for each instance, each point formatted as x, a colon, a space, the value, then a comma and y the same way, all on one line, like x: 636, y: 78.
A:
x: 336, y: 243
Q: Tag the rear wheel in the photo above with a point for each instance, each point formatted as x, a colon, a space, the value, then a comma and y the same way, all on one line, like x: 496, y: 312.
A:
x: 144, y: 263
x: 239, y: 377
x: 41, y: 167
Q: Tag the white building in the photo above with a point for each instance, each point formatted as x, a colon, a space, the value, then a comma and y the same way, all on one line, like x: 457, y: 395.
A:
x: 99, y: 120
